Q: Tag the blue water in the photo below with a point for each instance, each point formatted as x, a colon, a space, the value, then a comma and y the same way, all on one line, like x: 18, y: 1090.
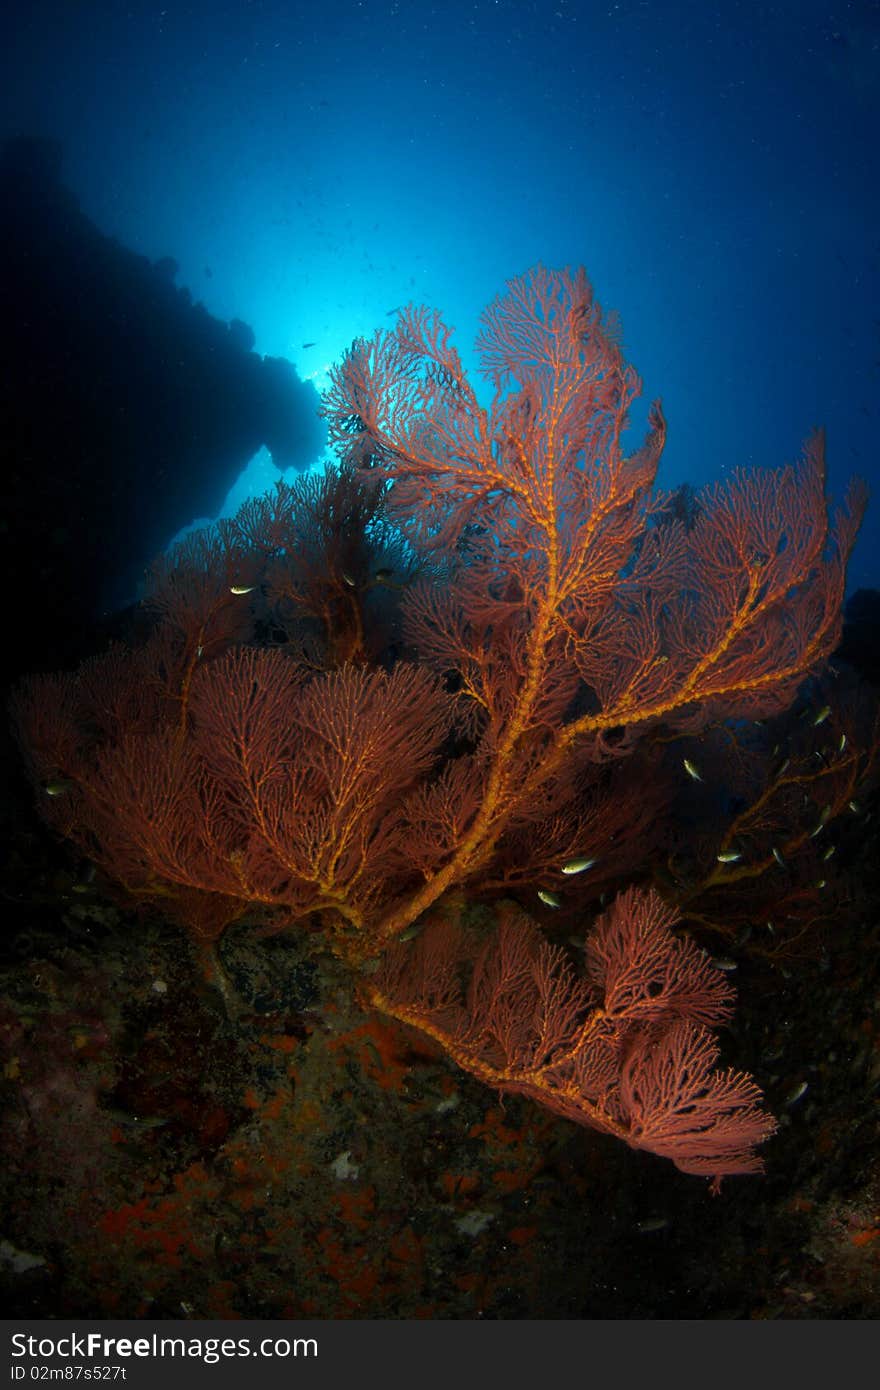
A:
x: 312, y: 167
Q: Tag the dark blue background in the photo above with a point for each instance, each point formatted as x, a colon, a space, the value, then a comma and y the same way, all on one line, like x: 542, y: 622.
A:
x: 311, y: 167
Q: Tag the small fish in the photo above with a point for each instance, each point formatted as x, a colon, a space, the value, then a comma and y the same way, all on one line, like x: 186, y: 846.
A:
x: 242, y: 589
x: 58, y: 786
x: 723, y: 963
x: 784, y: 767
x: 832, y: 849
x: 389, y: 313
x: 821, y: 716
x: 842, y: 744
x: 348, y: 579
x: 822, y: 883
x: 854, y: 807
x: 691, y: 769
x: 549, y: 898
x: 778, y: 857
x: 653, y: 1223
x: 770, y: 927
x: 305, y: 345
x: 412, y: 931
x: 578, y: 866
x: 796, y: 1092
x: 728, y: 856
x: 199, y: 651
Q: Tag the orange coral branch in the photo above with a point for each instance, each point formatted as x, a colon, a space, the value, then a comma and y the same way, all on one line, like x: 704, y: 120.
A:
x: 626, y: 1051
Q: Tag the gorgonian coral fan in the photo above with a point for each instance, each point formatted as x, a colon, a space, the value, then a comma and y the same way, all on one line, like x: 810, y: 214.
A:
x: 430, y: 671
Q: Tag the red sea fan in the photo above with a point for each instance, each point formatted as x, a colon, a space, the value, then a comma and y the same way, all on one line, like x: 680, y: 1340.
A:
x: 625, y: 1050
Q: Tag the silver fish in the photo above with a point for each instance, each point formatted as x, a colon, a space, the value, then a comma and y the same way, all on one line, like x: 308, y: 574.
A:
x: 58, y: 787
x: 653, y: 1223
x: 412, y: 931
x: 578, y: 866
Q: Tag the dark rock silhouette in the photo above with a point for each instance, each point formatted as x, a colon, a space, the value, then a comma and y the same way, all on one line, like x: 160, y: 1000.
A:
x: 126, y: 410
x: 860, y: 644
